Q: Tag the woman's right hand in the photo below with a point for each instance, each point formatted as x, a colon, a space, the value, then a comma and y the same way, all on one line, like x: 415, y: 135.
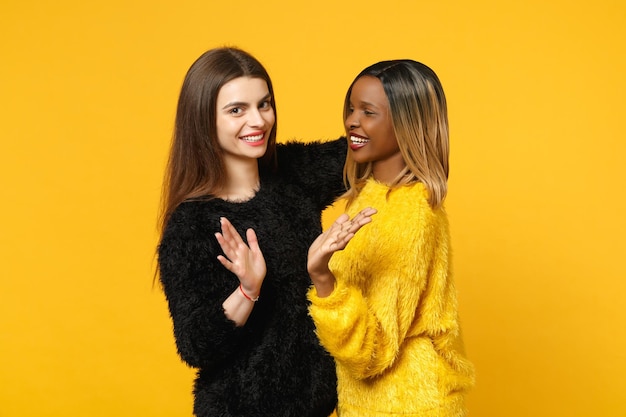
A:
x: 334, y: 239
x: 244, y: 260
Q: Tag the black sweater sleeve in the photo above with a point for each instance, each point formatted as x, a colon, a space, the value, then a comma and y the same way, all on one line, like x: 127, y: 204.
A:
x: 316, y: 167
x: 196, y: 285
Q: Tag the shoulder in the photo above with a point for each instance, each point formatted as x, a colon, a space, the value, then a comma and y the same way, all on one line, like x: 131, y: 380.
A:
x: 189, y: 238
x: 315, y: 167
x: 405, y: 200
x: 412, y: 199
x: 409, y: 213
x: 191, y: 218
x: 188, y: 212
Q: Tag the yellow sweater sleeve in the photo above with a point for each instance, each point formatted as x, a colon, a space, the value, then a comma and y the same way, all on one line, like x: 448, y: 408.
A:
x: 345, y: 327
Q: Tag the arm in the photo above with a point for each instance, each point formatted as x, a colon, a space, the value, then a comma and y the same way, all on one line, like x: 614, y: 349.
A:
x: 316, y: 166
x: 196, y: 285
x: 406, y: 293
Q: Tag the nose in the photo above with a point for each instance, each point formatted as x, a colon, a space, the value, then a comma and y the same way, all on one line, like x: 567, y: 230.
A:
x: 352, y: 121
x: 255, y: 118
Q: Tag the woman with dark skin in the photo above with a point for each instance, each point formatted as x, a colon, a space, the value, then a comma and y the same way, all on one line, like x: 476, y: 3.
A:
x: 385, y: 307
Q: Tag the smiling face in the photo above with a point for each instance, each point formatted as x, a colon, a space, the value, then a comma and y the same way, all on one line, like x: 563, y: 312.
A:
x: 245, y: 118
x: 370, y: 129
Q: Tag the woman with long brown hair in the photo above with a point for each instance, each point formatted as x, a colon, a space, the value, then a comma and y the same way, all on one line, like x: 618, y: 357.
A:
x: 239, y: 213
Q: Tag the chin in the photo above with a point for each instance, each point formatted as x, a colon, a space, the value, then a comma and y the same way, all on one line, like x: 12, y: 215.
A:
x: 361, y: 159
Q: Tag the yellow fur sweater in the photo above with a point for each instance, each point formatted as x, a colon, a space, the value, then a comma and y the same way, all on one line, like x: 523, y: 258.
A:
x: 391, y: 323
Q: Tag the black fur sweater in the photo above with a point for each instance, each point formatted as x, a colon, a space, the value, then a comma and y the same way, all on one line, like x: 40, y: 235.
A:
x: 274, y: 364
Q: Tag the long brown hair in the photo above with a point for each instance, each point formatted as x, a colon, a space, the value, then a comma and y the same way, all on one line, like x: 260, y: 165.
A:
x: 420, y: 121
x: 195, y: 168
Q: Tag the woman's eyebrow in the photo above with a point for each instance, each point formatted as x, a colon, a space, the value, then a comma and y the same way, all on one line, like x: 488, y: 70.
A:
x: 243, y: 103
x: 368, y: 103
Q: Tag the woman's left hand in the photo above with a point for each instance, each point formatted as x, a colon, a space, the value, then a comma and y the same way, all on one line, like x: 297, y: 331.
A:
x: 244, y: 260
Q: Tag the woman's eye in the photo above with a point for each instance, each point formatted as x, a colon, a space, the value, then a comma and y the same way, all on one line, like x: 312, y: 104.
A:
x: 265, y: 105
x: 236, y: 110
x: 368, y: 113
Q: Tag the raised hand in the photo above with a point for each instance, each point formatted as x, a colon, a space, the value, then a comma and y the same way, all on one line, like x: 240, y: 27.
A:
x: 334, y: 239
x: 245, y: 261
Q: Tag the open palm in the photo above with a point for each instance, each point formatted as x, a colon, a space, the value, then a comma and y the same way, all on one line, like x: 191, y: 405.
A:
x: 244, y: 260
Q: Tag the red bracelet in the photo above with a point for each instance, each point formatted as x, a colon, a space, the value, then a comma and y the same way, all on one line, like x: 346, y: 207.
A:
x: 246, y: 295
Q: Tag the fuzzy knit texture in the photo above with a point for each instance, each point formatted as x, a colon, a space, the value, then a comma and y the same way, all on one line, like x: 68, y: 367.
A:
x: 274, y: 365
x: 391, y: 323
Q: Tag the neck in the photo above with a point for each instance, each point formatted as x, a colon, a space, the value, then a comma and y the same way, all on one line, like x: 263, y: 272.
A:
x: 386, y: 171
x: 243, y: 180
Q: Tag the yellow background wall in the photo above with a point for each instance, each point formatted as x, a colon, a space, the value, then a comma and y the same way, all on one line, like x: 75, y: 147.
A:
x: 536, y: 94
